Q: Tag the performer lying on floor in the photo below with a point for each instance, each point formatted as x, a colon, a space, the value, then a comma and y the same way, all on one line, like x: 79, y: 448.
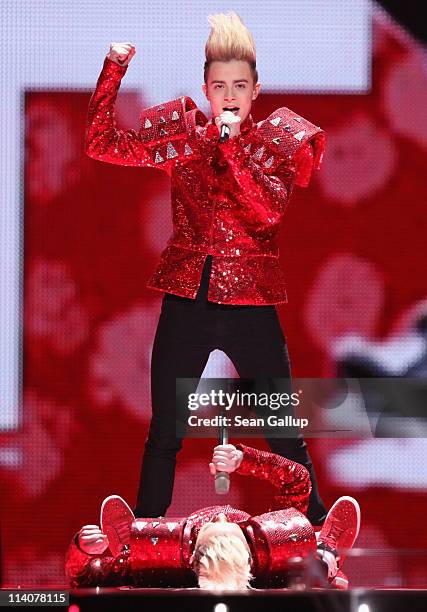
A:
x: 219, y: 547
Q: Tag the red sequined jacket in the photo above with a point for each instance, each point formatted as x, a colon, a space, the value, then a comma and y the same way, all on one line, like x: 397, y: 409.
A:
x: 160, y: 549
x: 227, y: 199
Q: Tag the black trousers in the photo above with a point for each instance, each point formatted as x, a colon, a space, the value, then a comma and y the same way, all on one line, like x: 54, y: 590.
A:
x: 187, y: 332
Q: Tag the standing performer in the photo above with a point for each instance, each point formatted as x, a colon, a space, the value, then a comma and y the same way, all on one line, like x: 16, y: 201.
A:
x: 220, y: 547
x: 220, y: 270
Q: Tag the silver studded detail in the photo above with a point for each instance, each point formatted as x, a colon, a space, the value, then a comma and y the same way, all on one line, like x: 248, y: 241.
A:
x: 158, y: 159
x: 275, y: 121
x: 162, y: 119
x: 154, y: 540
x: 269, y: 162
x: 187, y: 149
x: 171, y: 151
x: 297, y: 119
x: 276, y: 141
x: 175, y: 116
x: 300, y: 135
x: 163, y: 132
x: 147, y: 123
x: 259, y: 153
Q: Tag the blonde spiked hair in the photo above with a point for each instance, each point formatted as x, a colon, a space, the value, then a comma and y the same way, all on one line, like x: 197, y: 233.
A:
x: 229, y: 39
x: 222, y: 563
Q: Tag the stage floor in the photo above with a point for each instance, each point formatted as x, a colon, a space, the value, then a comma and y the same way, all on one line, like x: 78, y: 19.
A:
x: 261, y: 600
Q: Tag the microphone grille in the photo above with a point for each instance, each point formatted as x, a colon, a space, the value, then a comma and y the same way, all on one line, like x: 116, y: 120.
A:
x: 222, y: 483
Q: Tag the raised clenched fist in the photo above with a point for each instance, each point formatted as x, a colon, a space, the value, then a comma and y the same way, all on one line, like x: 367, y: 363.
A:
x: 121, y: 53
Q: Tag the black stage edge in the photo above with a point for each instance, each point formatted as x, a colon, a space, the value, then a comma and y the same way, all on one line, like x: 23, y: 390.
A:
x: 189, y: 600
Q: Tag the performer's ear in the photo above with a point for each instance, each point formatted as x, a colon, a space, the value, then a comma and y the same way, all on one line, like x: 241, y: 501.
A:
x: 204, y: 89
x: 256, y: 91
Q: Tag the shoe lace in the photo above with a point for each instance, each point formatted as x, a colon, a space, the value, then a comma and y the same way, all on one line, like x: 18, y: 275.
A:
x: 337, y: 528
x: 122, y: 529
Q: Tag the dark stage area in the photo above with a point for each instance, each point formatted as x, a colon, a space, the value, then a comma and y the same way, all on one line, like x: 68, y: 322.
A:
x: 255, y: 600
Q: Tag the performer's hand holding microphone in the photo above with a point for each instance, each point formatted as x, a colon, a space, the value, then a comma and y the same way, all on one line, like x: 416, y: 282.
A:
x: 226, y: 459
x: 121, y: 53
x: 228, y: 124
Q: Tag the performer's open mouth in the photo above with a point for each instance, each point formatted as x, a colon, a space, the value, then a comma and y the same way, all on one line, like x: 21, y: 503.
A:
x: 233, y: 109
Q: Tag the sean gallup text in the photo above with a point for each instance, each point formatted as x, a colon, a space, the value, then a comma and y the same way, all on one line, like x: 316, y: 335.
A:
x: 238, y: 421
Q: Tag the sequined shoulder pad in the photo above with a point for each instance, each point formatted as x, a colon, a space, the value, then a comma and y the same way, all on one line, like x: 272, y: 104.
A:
x: 168, y: 129
x: 284, y: 134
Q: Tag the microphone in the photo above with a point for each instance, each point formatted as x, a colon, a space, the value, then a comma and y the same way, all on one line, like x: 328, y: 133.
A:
x: 222, y: 479
x: 225, y: 133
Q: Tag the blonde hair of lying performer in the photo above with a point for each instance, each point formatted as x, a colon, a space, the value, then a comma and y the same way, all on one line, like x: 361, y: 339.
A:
x: 222, y: 559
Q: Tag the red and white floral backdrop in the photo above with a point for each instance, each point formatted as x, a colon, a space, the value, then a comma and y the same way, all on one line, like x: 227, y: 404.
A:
x: 352, y: 248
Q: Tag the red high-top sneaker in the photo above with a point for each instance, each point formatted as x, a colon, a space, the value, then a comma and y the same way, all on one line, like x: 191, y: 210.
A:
x: 116, y: 522
x: 340, y: 581
x: 341, y: 527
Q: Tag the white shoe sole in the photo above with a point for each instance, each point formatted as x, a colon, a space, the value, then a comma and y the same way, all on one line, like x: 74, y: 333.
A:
x: 357, y: 507
x: 115, y: 539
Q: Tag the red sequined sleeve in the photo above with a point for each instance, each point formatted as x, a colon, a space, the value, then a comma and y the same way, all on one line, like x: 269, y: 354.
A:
x: 291, y: 479
x: 104, y: 140
x: 83, y: 570
x: 265, y: 196
x: 304, y: 159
